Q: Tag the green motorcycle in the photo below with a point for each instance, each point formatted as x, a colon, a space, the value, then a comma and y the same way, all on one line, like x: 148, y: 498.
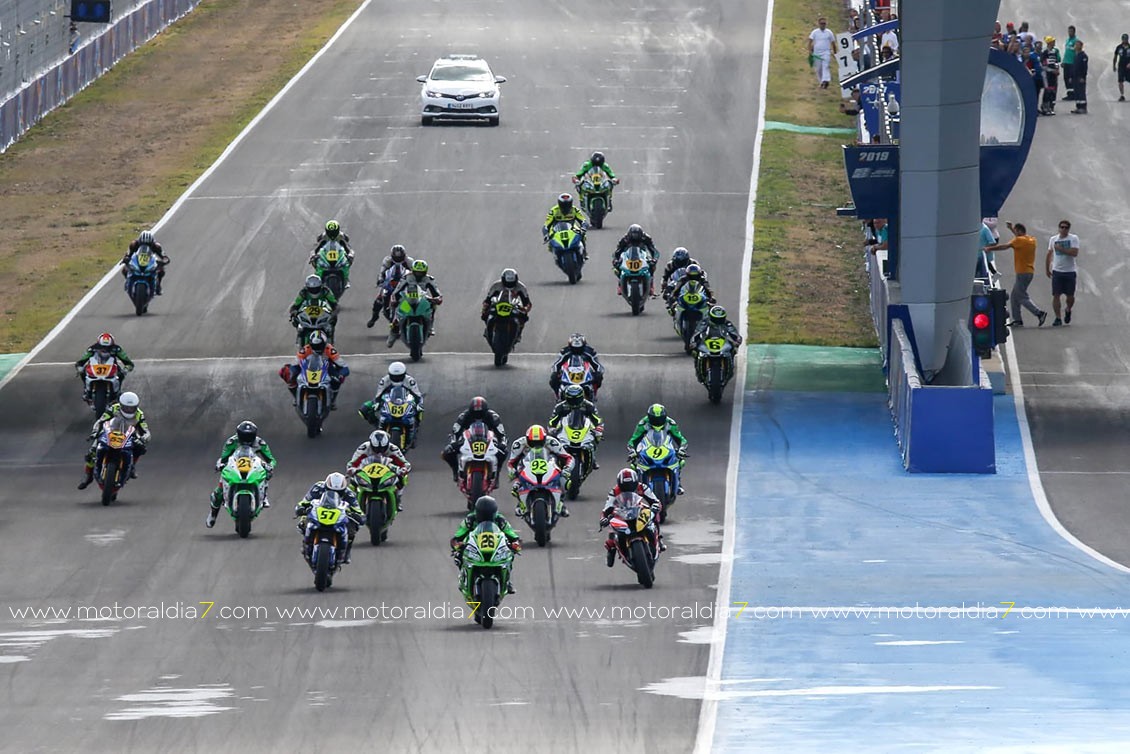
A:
x: 332, y: 265
x: 414, y: 312
x: 484, y: 571
x: 375, y: 487
x: 244, y: 485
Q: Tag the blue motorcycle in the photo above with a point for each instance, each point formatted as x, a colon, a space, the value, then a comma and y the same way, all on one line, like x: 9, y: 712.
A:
x: 326, y: 538
x: 141, y: 279
x: 660, y: 466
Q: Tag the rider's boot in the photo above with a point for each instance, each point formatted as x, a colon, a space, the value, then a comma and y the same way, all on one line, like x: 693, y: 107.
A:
x: 88, y: 477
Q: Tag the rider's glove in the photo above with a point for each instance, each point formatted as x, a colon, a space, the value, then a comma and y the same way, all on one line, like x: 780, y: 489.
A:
x: 604, y: 521
x: 681, y: 453
x: 219, y: 464
x: 516, y: 546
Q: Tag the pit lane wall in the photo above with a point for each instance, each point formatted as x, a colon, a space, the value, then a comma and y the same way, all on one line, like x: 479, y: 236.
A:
x: 57, y: 75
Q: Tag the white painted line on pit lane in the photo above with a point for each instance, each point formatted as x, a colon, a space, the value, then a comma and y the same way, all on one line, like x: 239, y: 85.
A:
x: 379, y: 355
x: 113, y: 272
x: 708, y: 715
x: 1034, y: 481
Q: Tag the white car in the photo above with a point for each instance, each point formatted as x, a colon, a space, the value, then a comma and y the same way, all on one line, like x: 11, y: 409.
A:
x: 460, y: 87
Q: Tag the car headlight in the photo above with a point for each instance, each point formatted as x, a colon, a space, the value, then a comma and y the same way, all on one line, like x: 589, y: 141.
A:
x: 488, y: 94
x: 433, y: 95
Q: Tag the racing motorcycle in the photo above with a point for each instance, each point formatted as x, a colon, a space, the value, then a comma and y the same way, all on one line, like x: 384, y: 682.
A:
x: 113, y: 458
x: 141, y: 279
x: 386, y: 286
x: 314, y: 394
x: 636, y: 537
x: 103, y: 376
x: 634, y: 274
x: 577, y: 370
x: 595, y: 190
x: 691, y: 303
x: 478, y: 461
x: 414, y: 312
x: 243, y: 482
x: 539, y: 484
x: 314, y: 316
x: 503, y: 324
x: 398, y: 417
x: 375, y: 487
x: 332, y: 265
x: 485, y: 563
x: 577, y: 434
x: 568, y: 247
x: 714, y: 365
x: 326, y: 538
x: 660, y: 466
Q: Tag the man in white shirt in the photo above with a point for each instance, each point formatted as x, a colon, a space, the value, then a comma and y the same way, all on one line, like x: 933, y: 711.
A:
x: 1063, y: 249
x: 820, y: 44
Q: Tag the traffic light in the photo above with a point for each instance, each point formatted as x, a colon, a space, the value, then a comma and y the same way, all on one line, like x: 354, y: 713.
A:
x: 999, y: 298
x: 91, y: 11
x: 981, y: 324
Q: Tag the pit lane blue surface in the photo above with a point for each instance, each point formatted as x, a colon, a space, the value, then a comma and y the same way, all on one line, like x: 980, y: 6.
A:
x: 826, y: 516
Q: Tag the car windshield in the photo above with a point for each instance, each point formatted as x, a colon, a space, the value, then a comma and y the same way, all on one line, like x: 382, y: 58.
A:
x: 460, y: 73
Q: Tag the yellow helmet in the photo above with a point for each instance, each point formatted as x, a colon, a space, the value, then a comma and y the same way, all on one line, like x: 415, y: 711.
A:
x: 1049, y: 40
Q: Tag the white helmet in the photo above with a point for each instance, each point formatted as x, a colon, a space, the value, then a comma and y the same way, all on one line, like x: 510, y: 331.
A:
x: 146, y: 237
x: 335, y: 482
x: 129, y: 403
x: 379, y: 440
x: 396, y: 371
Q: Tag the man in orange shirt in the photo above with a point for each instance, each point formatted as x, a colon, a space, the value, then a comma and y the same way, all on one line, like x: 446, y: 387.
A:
x: 1024, y: 262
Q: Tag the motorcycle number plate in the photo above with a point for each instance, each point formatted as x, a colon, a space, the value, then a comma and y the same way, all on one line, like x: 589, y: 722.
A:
x: 576, y: 377
x: 657, y: 452
x: 101, y: 370
x: 243, y: 465
x: 575, y: 436
x: 332, y: 255
x: 143, y: 259
x: 313, y: 376
x: 487, y: 540
x: 478, y: 448
x: 376, y: 470
x: 117, y: 439
x: 503, y: 309
x: 643, y: 517
x: 633, y: 265
x: 714, y: 344
x: 539, y: 466
x: 313, y: 310
x: 692, y: 298
x: 328, y: 516
x: 397, y: 409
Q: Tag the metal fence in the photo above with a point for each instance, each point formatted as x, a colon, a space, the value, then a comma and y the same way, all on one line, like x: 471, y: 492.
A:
x: 39, y: 71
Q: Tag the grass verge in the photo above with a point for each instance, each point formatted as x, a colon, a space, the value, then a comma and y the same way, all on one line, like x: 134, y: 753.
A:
x: 807, y: 284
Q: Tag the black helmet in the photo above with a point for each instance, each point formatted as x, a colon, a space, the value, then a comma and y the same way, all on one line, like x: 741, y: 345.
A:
x: 717, y: 315
x: 313, y: 284
x: 577, y: 342
x: 478, y: 406
x: 318, y: 342
x: 485, y: 509
x: 333, y: 229
x: 509, y: 277
x: 565, y: 203
x: 398, y: 253
x: 597, y: 159
x: 627, y: 480
x: 574, y: 395
x: 681, y: 256
x: 656, y: 415
x: 246, y: 431
x: 635, y: 232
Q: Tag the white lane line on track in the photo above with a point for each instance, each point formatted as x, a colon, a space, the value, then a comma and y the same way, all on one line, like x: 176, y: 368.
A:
x: 376, y: 355
x: 1034, y: 481
x: 374, y: 190
x: 708, y: 715
x: 113, y: 272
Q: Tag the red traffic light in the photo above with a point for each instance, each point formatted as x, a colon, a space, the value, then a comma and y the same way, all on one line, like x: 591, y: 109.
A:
x: 981, y: 321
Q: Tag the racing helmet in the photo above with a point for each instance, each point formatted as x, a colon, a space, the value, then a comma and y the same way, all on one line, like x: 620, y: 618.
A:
x: 398, y: 253
x: 635, y: 232
x: 246, y: 432
x: 680, y: 256
x: 717, y: 315
x: 314, y: 284
x: 509, y: 277
x: 486, y: 508
x: 420, y: 267
x: 535, y: 436
x: 333, y: 230
x: 694, y: 272
x: 565, y: 203
x: 146, y: 237
x: 657, y: 415
x: 597, y: 159
x: 478, y: 406
x: 105, y: 340
x: 335, y: 482
x: 478, y: 430
x: 397, y: 371
x: 318, y: 342
x: 577, y: 341
x: 379, y: 441
x: 627, y: 480
x: 574, y: 396
x: 129, y: 403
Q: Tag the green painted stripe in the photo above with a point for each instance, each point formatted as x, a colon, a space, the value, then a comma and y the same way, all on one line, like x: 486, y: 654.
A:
x: 815, y: 369
x: 7, y: 361
x: 776, y: 125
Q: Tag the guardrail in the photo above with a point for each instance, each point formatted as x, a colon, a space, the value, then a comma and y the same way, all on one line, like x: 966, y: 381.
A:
x: 27, y: 105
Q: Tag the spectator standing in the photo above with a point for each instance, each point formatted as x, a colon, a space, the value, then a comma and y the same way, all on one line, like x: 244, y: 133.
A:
x: 1122, y: 65
x: 1079, y: 80
x: 820, y: 43
x: 1032, y: 62
x: 986, y: 261
x: 1063, y: 251
x: 998, y: 36
x: 1069, y: 64
x: 1024, y: 264
x: 1050, y: 59
x: 1026, y: 37
x: 73, y: 45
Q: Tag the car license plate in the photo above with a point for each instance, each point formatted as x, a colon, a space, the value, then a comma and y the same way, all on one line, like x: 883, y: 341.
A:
x: 462, y: 105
